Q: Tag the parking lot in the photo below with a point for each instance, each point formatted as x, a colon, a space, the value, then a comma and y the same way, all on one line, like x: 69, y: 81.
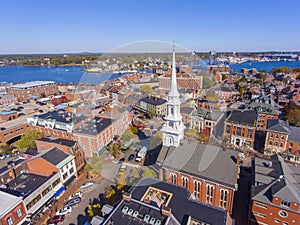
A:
x: 91, y: 194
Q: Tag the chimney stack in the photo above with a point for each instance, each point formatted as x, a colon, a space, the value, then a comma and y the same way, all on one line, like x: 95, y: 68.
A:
x: 127, y: 196
x: 12, y: 171
x: 166, y: 211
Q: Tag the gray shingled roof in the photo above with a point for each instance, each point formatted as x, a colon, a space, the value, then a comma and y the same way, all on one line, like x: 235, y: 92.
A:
x: 204, y: 161
x: 186, y: 110
x: 286, y: 188
x: 54, y: 156
x: 282, y: 127
x: 248, y: 117
x: 261, y: 107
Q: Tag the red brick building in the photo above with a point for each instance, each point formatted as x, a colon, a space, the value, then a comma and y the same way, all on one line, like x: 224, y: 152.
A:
x: 8, y: 115
x: 94, y: 135
x: 265, y: 109
x: 207, y: 172
x: 11, y: 132
x: 38, y: 89
x: 68, y: 146
x: 184, y: 81
x: 240, y: 128
x: 275, y: 193
x: 12, y: 210
x: 284, y: 139
x: 8, y: 99
x: 59, y: 124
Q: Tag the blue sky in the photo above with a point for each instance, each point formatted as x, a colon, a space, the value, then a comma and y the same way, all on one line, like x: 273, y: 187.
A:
x: 37, y: 26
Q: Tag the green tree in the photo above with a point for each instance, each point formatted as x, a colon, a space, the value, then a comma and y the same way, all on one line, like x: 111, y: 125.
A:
x: 146, y: 88
x: 292, y: 114
x: 211, y: 96
x: 260, y: 76
x: 224, y: 77
x: 149, y: 173
x: 27, y: 140
x: 283, y: 69
x: 5, y: 148
x: 207, y: 83
x: 115, y: 150
x: 296, y: 70
x: 133, y: 129
x: 134, y: 175
x: 202, y: 137
x: 128, y: 134
x: 151, y: 112
x: 243, y: 79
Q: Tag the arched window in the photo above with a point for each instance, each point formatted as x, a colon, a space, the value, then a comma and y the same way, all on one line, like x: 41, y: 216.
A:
x: 223, y: 198
x: 197, y: 188
x: 209, y: 193
x: 185, y: 182
x: 173, y: 178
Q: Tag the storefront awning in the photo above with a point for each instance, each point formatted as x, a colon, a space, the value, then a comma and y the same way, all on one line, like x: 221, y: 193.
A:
x: 59, y: 191
x: 101, y: 151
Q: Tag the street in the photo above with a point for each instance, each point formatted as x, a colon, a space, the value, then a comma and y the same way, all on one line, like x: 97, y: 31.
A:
x: 91, y: 194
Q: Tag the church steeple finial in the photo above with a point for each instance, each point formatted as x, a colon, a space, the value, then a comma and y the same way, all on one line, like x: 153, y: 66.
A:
x: 173, y: 89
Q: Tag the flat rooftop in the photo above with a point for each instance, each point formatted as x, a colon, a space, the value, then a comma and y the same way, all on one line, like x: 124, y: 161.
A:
x: 140, y: 211
x: 60, y: 141
x: 32, y: 84
x: 94, y: 126
x: 61, y: 116
x: 5, y: 113
x: 25, y: 184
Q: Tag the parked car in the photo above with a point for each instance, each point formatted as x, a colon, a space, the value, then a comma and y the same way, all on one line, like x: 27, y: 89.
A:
x: 73, y: 201
x: 7, y: 155
x: 21, y: 114
x: 76, y: 195
x: 131, y: 157
x: 64, y: 211
x: 2, y: 156
x: 87, y: 184
x: 56, y: 219
x: 41, y: 111
x: 121, y: 160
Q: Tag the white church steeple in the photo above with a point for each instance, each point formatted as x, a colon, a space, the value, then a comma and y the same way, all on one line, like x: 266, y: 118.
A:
x: 173, y: 129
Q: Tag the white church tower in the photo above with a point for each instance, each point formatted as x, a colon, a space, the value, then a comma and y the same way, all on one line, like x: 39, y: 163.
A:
x: 173, y: 128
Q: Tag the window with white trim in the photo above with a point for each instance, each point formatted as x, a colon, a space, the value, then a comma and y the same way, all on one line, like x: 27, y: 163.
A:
x: 261, y: 205
x: 19, y: 212
x: 285, y: 203
x: 259, y: 214
x: 197, y: 188
x: 223, y: 198
x: 173, y: 178
x: 185, y: 182
x: 209, y: 193
x: 9, y: 221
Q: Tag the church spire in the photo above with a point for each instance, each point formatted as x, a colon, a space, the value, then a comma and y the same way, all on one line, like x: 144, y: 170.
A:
x: 173, y: 128
x: 173, y: 89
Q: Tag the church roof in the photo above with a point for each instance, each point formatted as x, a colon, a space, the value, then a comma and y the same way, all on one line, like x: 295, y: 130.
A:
x: 204, y: 161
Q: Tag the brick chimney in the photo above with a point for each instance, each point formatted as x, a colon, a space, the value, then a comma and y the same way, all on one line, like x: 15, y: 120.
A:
x: 12, y: 171
x: 127, y: 196
x: 166, y: 211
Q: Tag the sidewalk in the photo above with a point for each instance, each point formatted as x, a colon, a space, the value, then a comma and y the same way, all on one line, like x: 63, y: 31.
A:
x: 61, y: 200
